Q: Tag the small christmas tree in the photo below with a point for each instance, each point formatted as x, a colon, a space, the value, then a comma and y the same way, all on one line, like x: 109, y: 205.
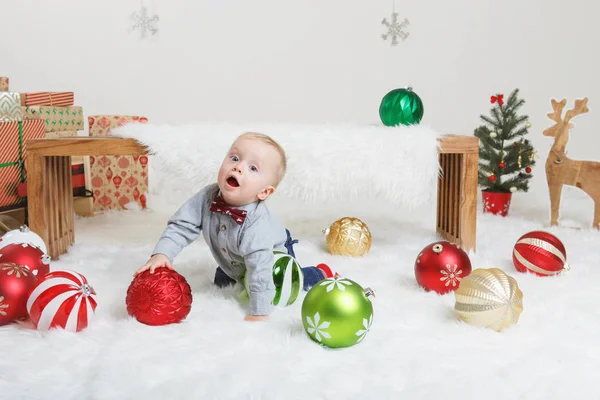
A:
x: 505, y: 157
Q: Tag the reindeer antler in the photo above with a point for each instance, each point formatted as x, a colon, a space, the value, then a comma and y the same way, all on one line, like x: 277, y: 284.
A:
x: 556, y: 116
x: 580, y: 108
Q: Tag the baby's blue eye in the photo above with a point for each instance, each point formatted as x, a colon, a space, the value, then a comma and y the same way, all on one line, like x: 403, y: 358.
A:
x: 235, y: 158
x: 253, y: 169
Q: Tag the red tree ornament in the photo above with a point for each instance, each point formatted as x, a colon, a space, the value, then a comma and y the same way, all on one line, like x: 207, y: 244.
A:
x: 502, y: 164
x: 62, y: 299
x: 528, y: 170
x: 492, y: 178
x: 161, y: 298
x: 541, y: 253
x: 26, y: 255
x: 441, y: 266
x: 16, y: 283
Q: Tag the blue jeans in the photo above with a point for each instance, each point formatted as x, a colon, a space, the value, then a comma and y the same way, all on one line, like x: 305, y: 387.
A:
x: 312, y: 275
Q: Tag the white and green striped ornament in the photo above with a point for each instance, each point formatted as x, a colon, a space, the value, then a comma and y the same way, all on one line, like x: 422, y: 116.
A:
x: 287, y: 277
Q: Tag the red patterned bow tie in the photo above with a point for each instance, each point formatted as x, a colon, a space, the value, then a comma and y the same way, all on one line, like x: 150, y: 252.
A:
x: 219, y: 205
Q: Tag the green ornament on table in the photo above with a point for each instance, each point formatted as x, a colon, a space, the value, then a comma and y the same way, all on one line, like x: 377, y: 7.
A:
x: 287, y: 277
x: 401, y: 106
x: 337, y: 312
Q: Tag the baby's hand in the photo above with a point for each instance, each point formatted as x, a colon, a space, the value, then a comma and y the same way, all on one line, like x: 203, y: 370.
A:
x: 156, y: 261
x: 256, y: 317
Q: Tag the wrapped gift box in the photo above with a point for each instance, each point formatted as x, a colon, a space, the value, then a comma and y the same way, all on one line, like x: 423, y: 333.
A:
x: 13, y: 155
x: 3, y: 84
x: 57, y: 119
x: 49, y: 99
x: 100, y: 125
x: 10, y: 106
x: 117, y: 180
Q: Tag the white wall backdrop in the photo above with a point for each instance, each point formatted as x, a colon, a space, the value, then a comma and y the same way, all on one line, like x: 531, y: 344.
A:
x: 310, y: 61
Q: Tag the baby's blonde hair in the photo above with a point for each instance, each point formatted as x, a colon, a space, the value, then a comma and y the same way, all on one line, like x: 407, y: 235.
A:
x: 269, y: 140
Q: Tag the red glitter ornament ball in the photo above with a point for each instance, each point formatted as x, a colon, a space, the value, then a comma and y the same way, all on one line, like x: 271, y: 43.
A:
x: 492, y: 178
x: 16, y: 282
x: 26, y: 255
x: 161, y: 298
x: 540, y: 253
x: 528, y: 170
x: 441, y: 266
x: 502, y: 164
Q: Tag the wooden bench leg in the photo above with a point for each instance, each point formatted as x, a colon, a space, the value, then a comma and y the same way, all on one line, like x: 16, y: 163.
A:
x: 468, y: 201
x: 50, y: 201
x: 457, y: 199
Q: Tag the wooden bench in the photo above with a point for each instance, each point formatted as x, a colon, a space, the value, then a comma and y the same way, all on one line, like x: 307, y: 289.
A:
x: 50, y: 196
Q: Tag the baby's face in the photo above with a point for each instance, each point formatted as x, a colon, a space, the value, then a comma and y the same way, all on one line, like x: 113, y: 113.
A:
x: 248, y: 171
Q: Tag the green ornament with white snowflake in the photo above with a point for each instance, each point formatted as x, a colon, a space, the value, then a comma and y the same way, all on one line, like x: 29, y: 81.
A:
x: 337, y: 312
x: 287, y: 277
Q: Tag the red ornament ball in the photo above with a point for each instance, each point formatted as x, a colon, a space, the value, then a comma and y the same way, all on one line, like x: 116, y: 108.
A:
x: 161, y: 298
x: 26, y: 255
x: 492, y: 178
x: 441, y: 266
x: 528, y: 170
x: 502, y: 164
x: 62, y: 299
x: 16, y: 282
x: 540, y: 253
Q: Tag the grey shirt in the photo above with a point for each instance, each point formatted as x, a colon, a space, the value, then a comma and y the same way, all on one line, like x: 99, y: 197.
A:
x: 239, y: 250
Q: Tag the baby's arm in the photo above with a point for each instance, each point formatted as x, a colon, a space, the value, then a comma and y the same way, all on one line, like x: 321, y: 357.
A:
x: 182, y: 229
x: 256, y: 246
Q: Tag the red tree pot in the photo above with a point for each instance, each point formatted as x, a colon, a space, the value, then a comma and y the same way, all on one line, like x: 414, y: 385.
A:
x: 496, y: 203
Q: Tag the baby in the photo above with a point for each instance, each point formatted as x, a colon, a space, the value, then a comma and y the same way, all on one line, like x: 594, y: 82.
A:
x: 236, y: 224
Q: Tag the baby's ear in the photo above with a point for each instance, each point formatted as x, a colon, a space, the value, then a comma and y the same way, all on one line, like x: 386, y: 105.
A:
x: 262, y: 196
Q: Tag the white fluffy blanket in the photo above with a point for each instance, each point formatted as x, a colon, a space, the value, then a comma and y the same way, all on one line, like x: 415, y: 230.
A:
x: 326, y: 163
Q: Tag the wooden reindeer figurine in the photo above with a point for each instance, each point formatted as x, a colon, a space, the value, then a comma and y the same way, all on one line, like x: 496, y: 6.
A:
x: 561, y: 170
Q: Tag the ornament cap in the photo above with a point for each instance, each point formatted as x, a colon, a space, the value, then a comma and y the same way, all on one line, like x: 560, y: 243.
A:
x: 566, y: 267
x: 24, y: 229
x: 325, y: 231
x: 87, y: 290
x: 369, y: 292
x: 409, y: 88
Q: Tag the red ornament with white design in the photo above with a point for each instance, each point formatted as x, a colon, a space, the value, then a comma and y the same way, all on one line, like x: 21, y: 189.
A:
x: 441, y: 266
x: 62, y: 299
x: 161, y: 298
x: 26, y: 255
x: 540, y: 253
x: 16, y: 282
x: 23, y: 235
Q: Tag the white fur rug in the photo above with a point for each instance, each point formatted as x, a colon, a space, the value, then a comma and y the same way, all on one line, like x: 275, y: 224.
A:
x: 417, y: 349
x: 326, y: 163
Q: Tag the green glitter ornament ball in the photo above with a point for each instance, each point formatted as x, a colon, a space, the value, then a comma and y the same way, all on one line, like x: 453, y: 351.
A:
x: 337, y: 312
x: 401, y: 106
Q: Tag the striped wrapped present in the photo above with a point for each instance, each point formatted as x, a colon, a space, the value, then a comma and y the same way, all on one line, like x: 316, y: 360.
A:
x: 10, y: 106
x: 13, y: 135
x: 59, y: 99
x: 3, y: 84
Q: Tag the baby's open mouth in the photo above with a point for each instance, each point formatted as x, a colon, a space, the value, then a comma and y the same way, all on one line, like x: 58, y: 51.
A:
x: 231, y: 181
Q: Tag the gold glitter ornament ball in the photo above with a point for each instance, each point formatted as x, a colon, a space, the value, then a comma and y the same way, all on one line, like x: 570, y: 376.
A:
x: 489, y: 298
x: 348, y: 236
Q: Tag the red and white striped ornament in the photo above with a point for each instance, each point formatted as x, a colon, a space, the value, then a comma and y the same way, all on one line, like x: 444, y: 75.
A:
x: 540, y: 253
x: 62, y: 299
